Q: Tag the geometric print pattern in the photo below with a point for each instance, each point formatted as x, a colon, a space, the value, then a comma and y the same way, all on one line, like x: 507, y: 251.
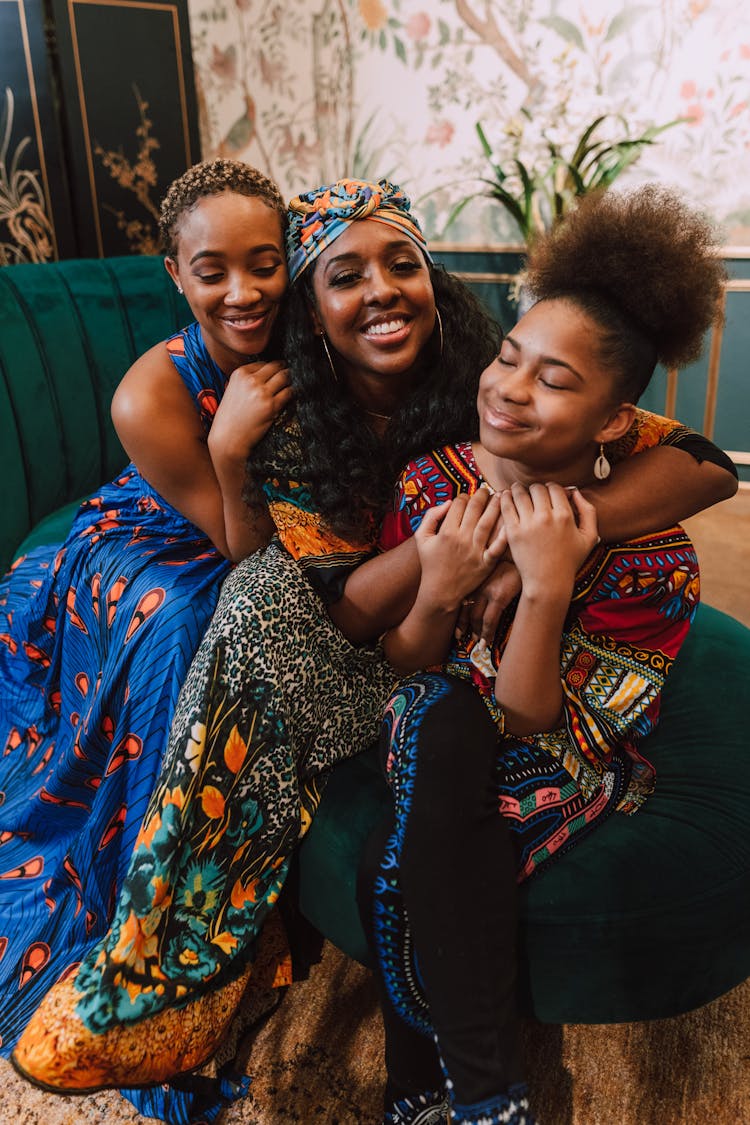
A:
x: 631, y: 608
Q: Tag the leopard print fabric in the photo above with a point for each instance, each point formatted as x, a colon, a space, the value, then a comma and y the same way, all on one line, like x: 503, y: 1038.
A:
x: 274, y: 698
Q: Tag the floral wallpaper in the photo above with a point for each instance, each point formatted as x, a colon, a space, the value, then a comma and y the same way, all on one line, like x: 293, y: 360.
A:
x: 310, y: 90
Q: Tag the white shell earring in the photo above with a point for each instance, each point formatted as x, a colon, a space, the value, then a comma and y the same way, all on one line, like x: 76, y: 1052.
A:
x: 602, y: 467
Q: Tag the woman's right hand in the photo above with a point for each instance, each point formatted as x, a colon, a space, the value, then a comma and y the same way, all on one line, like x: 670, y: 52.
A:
x: 551, y: 531
x: 459, y: 544
x: 157, y: 422
x: 255, y: 396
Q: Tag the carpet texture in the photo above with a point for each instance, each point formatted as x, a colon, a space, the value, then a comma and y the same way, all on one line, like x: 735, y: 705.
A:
x: 317, y: 1061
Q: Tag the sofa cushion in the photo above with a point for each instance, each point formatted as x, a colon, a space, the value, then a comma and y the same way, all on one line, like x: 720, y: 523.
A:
x: 52, y: 529
x: 70, y: 330
x: 647, y: 917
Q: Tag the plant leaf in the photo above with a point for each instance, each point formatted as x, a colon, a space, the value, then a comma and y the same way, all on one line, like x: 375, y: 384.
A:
x: 458, y: 208
x: 511, y: 204
x: 486, y: 148
x: 624, y: 20
x: 579, y: 185
x: 584, y: 139
x: 565, y: 29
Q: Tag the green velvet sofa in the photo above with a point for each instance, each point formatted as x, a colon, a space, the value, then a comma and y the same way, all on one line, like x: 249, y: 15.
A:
x: 648, y: 917
x: 68, y: 333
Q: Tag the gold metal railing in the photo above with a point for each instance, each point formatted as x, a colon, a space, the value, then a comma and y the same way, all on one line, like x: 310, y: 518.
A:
x: 737, y: 285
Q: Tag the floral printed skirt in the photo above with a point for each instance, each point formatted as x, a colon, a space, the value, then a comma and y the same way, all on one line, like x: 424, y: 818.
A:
x: 275, y: 696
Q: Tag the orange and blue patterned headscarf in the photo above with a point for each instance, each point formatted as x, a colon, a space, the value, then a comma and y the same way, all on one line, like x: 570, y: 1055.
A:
x: 316, y: 218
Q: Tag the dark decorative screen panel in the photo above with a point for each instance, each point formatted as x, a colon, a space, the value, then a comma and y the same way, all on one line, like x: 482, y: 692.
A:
x: 35, y: 216
x: 129, y: 114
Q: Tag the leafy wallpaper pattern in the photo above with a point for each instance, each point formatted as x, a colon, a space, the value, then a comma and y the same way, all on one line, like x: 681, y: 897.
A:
x: 311, y: 90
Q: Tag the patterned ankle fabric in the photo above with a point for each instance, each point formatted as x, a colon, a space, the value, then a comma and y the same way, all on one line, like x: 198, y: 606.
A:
x: 421, y: 1109
x: 507, y: 1109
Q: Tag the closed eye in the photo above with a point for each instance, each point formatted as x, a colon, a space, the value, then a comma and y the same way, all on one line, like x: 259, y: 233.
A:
x: 554, y: 386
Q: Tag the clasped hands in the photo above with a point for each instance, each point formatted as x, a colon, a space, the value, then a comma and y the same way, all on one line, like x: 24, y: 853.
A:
x: 478, y: 552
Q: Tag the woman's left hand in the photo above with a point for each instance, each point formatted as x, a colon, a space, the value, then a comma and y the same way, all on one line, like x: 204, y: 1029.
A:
x: 551, y: 531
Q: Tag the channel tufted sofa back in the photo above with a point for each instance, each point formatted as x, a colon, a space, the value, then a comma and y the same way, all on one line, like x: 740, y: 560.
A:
x: 68, y: 333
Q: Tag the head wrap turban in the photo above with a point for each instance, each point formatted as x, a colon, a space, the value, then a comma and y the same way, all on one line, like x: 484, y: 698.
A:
x: 317, y: 218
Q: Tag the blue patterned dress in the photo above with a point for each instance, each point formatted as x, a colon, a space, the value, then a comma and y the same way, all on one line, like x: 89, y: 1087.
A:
x: 96, y: 637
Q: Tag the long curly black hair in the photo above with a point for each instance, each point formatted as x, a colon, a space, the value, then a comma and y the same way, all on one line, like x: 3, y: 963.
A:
x: 643, y: 265
x: 349, y: 469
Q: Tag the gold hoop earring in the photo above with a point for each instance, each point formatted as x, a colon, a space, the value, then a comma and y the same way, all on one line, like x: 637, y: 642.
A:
x: 328, y: 354
x: 602, y: 467
x: 439, y: 320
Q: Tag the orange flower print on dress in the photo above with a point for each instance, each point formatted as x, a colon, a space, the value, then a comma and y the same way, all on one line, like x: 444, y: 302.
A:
x: 213, y: 802
x: 235, y: 750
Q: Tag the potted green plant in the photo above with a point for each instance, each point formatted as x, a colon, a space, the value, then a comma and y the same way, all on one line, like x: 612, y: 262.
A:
x: 536, y: 195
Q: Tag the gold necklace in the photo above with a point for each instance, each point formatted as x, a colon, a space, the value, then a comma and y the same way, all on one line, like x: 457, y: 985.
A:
x: 374, y: 414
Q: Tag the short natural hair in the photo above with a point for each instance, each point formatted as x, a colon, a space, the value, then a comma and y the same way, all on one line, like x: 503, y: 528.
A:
x: 211, y: 177
x: 643, y: 264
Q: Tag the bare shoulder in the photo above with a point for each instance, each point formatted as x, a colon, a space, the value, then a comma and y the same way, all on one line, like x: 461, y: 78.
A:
x: 149, y: 385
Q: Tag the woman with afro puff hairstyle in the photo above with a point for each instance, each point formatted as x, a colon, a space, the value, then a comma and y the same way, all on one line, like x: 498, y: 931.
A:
x: 500, y: 756
x: 384, y: 352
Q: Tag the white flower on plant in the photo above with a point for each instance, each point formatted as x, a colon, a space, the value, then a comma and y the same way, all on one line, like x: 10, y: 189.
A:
x: 513, y: 128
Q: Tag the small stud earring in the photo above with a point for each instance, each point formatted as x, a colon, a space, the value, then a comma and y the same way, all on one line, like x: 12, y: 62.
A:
x: 602, y: 467
x: 180, y: 290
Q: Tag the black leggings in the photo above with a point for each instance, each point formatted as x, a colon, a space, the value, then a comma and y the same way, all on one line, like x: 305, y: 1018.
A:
x: 456, y: 870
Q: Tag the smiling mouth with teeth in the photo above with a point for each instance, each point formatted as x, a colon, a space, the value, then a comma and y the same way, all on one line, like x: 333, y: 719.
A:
x: 385, y: 327
x: 244, y: 321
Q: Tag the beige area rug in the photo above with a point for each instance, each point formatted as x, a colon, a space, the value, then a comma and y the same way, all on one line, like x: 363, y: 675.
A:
x: 317, y: 1061
x: 722, y: 539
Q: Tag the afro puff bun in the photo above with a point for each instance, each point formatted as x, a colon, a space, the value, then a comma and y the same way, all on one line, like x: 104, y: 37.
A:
x: 644, y: 253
